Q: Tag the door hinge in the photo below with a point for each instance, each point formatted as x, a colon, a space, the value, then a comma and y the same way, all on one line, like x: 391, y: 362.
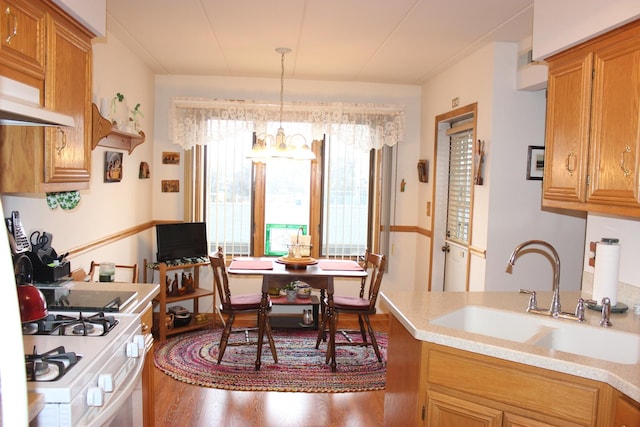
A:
x: 424, y: 412
x: 588, y: 179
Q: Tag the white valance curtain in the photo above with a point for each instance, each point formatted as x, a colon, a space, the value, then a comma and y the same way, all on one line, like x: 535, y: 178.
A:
x: 195, y: 121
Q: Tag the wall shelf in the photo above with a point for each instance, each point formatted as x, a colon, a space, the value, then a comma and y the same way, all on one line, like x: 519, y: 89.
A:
x: 106, y: 135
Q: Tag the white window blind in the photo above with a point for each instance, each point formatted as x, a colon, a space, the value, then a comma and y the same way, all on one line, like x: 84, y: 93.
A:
x: 346, y: 200
x: 460, y: 182
x: 228, y: 191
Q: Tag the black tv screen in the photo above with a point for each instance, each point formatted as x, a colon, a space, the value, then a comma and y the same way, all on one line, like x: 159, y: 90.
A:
x: 181, y: 240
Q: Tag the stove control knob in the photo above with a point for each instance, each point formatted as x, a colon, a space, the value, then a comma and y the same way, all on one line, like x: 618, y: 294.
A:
x: 95, y: 396
x: 133, y: 350
x: 105, y: 382
x: 140, y: 340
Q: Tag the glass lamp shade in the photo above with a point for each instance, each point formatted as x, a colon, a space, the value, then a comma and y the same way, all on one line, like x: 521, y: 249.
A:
x: 260, y: 151
x: 281, y: 147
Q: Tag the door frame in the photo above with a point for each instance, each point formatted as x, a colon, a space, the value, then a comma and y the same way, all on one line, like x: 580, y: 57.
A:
x: 439, y: 187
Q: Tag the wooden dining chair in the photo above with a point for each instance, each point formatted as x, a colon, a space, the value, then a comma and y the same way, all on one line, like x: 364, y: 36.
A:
x: 363, y: 306
x: 231, y: 305
x: 79, y: 275
x: 124, y: 273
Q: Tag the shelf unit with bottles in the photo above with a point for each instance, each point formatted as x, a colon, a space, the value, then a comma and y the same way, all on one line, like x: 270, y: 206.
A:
x: 164, y: 300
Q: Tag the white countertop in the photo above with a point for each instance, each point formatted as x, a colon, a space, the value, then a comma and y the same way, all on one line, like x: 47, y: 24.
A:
x: 416, y: 311
x: 146, y: 292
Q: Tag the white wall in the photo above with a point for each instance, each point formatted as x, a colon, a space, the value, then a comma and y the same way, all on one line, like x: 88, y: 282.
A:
x: 507, y: 207
x: 91, y: 13
x: 558, y: 25
x: 628, y: 231
x: 168, y: 206
x: 106, y: 208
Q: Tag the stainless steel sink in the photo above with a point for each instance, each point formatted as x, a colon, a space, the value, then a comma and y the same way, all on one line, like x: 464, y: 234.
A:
x: 553, y: 334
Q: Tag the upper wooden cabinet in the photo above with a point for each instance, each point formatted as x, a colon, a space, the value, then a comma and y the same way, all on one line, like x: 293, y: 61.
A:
x: 22, y: 38
x: 68, y: 90
x: 37, y: 159
x: 593, y: 126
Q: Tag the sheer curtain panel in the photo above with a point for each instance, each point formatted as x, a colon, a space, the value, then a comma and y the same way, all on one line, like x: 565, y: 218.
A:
x: 196, y: 121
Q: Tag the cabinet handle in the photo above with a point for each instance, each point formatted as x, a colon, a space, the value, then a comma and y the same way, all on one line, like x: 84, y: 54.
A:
x: 61, y: 146
x: 571, y: 162
x: 12, y: 32
x: 623, y: 166
x: 145, y: 328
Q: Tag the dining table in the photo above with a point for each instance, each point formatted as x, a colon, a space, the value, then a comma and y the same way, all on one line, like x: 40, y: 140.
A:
x: 319, y: 274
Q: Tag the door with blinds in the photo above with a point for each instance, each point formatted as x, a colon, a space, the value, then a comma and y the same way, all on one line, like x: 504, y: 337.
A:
x: 458, y: 222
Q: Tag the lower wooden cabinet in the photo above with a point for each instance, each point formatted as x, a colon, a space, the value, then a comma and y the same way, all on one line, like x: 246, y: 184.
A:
x: 433, y: 385
x: 512, y: 420
x: 448, y: 411
x: 627, y: 412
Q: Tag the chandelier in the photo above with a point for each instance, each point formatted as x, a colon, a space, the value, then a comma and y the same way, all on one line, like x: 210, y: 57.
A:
x: 266, y: 146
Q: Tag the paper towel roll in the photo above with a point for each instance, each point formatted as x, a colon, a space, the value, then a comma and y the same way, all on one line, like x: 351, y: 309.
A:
x: 605, y: 276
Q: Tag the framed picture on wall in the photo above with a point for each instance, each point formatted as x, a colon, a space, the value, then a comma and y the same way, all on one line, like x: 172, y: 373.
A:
x: 170, y: 186
x: 423, y: 171
x: 535, y: 162
x: 145, y: 171
x: 170, y: 158
x: 112, y: 166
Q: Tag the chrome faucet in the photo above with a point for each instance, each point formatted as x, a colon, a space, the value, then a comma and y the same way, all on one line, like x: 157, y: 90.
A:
x: 556, y: 309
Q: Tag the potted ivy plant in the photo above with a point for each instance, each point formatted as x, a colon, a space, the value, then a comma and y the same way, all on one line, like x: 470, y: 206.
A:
x: 291, y: 289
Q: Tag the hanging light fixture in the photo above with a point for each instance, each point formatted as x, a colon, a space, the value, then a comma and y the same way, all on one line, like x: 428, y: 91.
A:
x: 289, y: 147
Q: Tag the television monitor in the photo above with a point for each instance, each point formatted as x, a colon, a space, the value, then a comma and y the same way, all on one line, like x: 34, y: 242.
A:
x: 181, y: 240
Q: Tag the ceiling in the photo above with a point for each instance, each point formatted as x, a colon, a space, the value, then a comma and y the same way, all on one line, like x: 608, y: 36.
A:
x: 385, y: 41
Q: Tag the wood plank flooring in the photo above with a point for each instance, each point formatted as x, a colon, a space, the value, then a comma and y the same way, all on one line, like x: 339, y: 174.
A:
x: 178, y: 404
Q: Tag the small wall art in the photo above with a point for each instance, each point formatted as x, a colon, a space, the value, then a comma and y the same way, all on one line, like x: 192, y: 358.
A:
x: 112, y: 166
x: 535, y: 162
x: 170, y: 186
x: 144, y: 172
x: 478, y: 163
x: 170, y: 158
x: 423, y: 171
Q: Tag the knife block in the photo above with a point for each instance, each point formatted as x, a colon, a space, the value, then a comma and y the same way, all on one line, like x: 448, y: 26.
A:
x: 43, y: 273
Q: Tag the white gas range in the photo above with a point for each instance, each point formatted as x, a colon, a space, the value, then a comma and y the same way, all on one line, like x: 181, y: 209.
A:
x: 87, y: 366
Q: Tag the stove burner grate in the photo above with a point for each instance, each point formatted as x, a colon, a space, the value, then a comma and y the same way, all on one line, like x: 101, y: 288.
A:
x: 97, y: 324
x: 50, y: 366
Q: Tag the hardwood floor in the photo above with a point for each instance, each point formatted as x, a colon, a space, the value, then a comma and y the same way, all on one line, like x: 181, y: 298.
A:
x: 178, y: 404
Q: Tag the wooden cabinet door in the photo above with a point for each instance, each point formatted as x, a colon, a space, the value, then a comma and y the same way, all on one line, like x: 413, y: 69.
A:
x: 68, y: 90
x: 627, y: 413
x: 567, y: 128
x: 512, y: 420
x: 22, y: 38
x: 448, y: 411
x: 615, y: 122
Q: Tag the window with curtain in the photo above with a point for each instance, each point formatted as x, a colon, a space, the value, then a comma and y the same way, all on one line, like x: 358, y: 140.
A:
x: 331, y: 195
x: 287, y: 198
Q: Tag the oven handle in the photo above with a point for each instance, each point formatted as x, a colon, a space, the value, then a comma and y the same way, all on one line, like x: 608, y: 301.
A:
x: 120, y: 395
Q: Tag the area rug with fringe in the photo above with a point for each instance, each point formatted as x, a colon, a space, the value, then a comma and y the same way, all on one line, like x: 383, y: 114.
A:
x: 192, y: 358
